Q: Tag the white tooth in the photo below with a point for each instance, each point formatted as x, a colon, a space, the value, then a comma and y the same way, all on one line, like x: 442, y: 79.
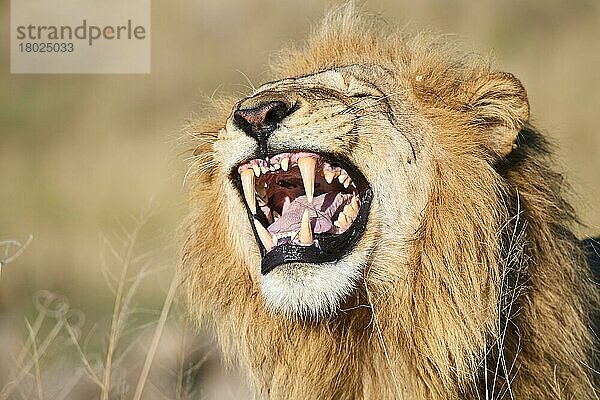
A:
x: 293, y: 235
x: 264, y: 235
x: 342, y: 221
x: 276, y: 216
x: 329, y: 175
x: 306, y: 235
x: 354, y: 204
x: 275, y: 167
x: 264, y: 169
x: 286, y: 205
x: 347, y: 182
x: 307, y: 166
x: 349, y: 211
x: 256, y: 170
x: 285, y: 163
x: 272, y: 167
x: 342, y: 177
x: 343, y: 218
x: 248, y: 186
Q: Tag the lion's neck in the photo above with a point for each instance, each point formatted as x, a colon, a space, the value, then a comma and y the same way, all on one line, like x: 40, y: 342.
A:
x: 351, y: 357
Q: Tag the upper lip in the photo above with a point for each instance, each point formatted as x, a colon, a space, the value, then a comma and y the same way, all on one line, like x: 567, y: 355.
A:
x: 305, y: 232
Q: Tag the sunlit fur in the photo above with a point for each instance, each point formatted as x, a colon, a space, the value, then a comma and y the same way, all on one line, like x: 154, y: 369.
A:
x: 474, y: 285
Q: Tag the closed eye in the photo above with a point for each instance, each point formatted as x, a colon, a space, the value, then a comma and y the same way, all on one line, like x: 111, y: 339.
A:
x: 361, y: 94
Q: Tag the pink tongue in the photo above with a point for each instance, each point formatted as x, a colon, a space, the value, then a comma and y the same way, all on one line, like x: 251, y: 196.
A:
x: 321, y: 211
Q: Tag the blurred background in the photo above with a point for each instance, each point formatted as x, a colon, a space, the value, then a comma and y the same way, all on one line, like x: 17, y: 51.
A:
x: 87, y: 161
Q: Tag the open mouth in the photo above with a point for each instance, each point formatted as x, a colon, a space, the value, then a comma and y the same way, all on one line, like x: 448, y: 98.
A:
x: 304, y: 207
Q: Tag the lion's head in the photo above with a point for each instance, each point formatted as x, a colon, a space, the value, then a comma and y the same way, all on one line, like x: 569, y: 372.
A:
x: 382, y: 183
x: 330, y: 176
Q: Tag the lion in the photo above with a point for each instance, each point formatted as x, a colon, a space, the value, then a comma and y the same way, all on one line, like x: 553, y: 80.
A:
x: 382, y: 221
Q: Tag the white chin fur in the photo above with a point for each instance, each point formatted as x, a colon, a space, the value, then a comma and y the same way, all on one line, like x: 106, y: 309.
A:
x: 311, y: 290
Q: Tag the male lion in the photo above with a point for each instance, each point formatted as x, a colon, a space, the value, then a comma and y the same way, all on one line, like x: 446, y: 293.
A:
x: 383, y: 222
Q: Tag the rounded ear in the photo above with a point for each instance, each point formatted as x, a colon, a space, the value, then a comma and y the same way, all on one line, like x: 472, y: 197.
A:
x: 500, y: 109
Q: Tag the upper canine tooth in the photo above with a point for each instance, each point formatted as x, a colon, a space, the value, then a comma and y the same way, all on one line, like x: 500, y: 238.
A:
x: 285, y: 163
x: 305, y: 235
x: 276, y: 216
x: 307, y: 166
x: 342, y: 177
x: 264, y: 235
x: 248, y: 186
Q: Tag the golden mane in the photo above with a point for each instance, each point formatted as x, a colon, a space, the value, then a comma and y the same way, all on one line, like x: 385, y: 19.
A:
x: 498, y: 298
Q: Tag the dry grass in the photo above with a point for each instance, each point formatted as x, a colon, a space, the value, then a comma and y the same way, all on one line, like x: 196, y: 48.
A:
x: 58, y: 343
x: 11, y: 250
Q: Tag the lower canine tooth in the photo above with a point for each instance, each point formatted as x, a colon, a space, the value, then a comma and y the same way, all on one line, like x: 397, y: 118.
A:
x: 285, y: 163
x: 307, y: 166
x: 305, y: 236
x: 264, y: 235
x: 248, y: 187
x: 342, y: 177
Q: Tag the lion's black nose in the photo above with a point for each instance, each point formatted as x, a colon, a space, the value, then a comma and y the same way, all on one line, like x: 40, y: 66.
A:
x: 260, y: 120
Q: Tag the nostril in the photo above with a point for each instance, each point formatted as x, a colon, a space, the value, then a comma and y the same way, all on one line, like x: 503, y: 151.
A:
x: 262, y: 119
